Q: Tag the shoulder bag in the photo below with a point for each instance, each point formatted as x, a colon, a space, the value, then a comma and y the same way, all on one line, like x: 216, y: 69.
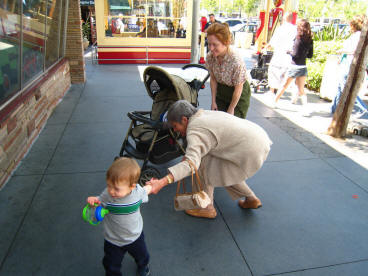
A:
x: 193, y: 200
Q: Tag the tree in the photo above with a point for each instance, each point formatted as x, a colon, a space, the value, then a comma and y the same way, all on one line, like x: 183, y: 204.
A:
x: 230, y: 6
x: 251, y: 6
x: 343, y: 111
x: 344, y: 9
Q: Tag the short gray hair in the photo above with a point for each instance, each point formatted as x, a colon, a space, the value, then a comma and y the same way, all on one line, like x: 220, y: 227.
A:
x: 179, y: 109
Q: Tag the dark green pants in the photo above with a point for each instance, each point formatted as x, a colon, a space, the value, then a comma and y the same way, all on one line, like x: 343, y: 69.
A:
x: 224, y: 95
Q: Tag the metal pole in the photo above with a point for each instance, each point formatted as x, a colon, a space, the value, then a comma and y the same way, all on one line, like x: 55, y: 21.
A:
x: 267, y: 20
x: 195, y: 26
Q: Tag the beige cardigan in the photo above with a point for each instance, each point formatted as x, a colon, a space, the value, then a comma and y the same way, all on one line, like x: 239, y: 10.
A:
x: 225, y: 148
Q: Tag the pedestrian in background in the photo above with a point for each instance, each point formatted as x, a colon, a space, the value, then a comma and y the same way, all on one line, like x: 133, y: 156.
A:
x: 281, y: 42
x: 230, y: 89
x: 347, y: 55
x: 302, y: 49
x: 212, y: 20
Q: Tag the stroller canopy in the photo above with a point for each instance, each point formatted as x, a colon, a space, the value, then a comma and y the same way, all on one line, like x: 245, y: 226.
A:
x: 166, y: 89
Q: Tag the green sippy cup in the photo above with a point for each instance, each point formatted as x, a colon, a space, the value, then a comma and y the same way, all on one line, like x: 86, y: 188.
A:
x: 94, y: 214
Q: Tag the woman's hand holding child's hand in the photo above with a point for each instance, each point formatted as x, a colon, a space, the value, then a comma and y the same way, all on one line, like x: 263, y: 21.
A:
x: 92, y: 200
x: 156, y: 185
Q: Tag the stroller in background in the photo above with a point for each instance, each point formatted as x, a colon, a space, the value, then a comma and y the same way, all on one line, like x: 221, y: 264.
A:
x: 147, y: 139
x: 259, y: 73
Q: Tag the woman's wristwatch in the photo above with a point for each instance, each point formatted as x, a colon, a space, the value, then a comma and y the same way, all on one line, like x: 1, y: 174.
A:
x: 169, y: 180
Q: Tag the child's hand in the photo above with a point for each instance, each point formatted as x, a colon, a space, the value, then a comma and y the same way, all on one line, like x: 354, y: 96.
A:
x: 148, y: 188
x: 92, y: 200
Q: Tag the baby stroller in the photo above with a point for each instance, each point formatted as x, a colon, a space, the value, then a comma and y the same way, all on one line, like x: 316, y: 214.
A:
x: 259, y: 73
x: 147, y: 138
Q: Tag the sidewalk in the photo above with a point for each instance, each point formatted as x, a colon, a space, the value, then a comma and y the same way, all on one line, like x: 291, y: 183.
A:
x: 315, y: 198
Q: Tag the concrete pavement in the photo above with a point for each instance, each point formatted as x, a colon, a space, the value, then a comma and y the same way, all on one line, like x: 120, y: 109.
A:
x: 314, y: 219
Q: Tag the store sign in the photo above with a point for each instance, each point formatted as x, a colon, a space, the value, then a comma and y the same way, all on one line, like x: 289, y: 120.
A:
x: 87, y: 2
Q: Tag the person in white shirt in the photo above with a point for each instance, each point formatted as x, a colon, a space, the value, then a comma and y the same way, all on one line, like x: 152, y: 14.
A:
x: 360, y: 110
x: 281, y: 42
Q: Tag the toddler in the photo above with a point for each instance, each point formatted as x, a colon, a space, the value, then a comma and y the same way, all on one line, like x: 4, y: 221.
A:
x: 123, y: 225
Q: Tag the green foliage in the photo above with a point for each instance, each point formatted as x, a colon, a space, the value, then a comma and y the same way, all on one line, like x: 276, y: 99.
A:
x: 315, y: 73
x: 251, y: 6
x: 330, y: 32
x: 86, y: 29
x: 344, y: 9
x: 248, y: 7
x: 316, y: 65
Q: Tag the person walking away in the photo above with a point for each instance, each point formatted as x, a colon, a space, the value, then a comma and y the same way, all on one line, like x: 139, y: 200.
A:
x: 302, y: 49
x: 230, y: 89
x: 123, y: 225
x: 226, y: 149
x: 281, y: 42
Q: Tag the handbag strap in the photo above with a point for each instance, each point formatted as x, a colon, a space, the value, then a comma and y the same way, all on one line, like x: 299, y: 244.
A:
x: 192, y: 166
x: 193, y: 169
x: 179, y: 183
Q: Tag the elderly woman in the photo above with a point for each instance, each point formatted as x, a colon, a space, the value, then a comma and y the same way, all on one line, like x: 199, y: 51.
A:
x: 226, y: 149
x: 229, y: 87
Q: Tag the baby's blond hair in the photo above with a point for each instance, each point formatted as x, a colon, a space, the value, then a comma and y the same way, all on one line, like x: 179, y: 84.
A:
x: 123, y: 169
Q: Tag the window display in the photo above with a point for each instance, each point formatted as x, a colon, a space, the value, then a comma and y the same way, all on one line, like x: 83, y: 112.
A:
x: 9, y: 50
x: 32, y: 37
x: 145, y: 18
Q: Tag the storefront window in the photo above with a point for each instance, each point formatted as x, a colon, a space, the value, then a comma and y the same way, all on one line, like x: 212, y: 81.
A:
x: 146, y: 18
x: 62, y: 28
x: 53, y: 34
x: 9, y: 49
x: 33, y: 38
x: 37, y: 35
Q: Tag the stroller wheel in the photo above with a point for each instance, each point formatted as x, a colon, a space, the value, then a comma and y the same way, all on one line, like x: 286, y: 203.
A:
x: 147, y: 174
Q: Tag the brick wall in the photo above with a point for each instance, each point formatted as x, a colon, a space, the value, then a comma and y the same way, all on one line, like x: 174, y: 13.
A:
x: 74, y: 43
x: 28, y: 115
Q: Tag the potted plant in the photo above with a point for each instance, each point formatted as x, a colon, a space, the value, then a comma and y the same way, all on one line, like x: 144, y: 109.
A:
x: 86, y: 31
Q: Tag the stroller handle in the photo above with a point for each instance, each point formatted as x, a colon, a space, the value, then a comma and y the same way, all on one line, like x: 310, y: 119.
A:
x: 194, y: 65
x: 199, y: 84
x: 140, y: 117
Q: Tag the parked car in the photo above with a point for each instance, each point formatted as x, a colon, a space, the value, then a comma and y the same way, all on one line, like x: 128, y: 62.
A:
x: 343, y: 28
x: 358, y: 128
x: 235, y: 24
x: 316, y: 27
x: 248, y: 28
